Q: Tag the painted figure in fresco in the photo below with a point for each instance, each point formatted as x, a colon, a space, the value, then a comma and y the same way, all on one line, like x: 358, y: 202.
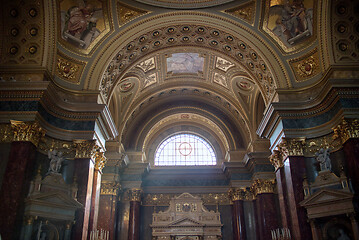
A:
x: 294, y: 21
x: 80, y: 24
x: 323, y: 159
x: 56, y: 160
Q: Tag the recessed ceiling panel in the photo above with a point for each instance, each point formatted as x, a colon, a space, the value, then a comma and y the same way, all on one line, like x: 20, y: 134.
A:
x: 185, y: 63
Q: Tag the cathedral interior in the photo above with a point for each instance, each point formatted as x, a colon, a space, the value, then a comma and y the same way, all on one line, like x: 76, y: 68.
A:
x: 179, y: 120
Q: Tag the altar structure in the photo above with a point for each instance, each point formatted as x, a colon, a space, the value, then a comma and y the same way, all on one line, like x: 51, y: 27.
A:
x: 186, y: 218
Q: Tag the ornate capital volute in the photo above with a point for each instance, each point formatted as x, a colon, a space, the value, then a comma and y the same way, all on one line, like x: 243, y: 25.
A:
x: 85, y: 148
x: 135, y: 194
x: 347, y: 128
x: 100, y: 160
x: 260, y: 186
x: 276, y: 159
x: 27, y: 131
x: 110, y: 188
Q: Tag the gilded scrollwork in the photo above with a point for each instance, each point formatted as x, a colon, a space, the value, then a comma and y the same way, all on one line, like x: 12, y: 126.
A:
x: 236, y: 194
x: 135, y: 194
x: 347, y: 128
x: 276, y: 159
x: 27, y: 131
x: 6, y: 134
x: 306, y: 66
x: 66, y: 69
x: 100, y: 160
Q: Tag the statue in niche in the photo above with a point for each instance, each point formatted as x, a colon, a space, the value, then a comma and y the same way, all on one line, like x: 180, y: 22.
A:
x: 322, y: 157
x: 56, y: 160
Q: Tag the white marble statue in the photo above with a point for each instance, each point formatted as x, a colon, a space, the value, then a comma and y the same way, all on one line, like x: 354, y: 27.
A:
x: 323, y: 159
x: 56, y: 160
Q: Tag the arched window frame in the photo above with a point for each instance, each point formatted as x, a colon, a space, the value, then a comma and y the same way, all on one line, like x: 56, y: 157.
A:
x: 179, y: 153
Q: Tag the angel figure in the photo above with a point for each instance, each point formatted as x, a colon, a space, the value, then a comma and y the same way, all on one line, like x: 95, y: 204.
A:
x: 56, y: 160
x: 323, y: 159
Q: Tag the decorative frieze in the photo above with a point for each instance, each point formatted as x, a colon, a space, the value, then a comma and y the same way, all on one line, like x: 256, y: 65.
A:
x: 27, y: 131
x: 110, y: 188
x: 260, y: 186
x: 207, y: 198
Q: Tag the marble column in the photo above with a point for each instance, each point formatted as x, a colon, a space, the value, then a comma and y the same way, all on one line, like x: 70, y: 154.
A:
x: 277, y: 160
x: 239, y: 228
x: 16, y: 181
x: 108, y: 207
x: 290, y: 176
x: 266, y: 207
x: 134, y: 216
x: 84, y: 173
x: 100, y: 161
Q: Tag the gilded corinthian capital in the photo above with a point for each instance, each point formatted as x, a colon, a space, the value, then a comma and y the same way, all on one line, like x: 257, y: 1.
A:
x: 263, y: 186
x: 100, y: 160
x: 347, y: 128
x: 110, y: 188
x: 236, y: 194
x: 135, y: 194
x: 27, y: 131
x: 85, y: 148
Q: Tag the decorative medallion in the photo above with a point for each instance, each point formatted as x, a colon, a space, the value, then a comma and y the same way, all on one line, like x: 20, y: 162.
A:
x: 223, y: 64
x: 306, y: 67
x: 69, y: 69
x: 220, y: 79
x: 126, y: 86
x: 245, y: 12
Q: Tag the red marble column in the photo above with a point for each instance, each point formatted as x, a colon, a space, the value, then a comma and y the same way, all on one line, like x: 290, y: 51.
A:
x: 134, y: 217
x: 84, y: 171
x: 267, y: 215
x: 239, y: 228
x: 351, y: 150
x: 95, y: 198
x: 108, y: 208
x: 282, y: 197
x: 295, y: 169
x: 14, y: 187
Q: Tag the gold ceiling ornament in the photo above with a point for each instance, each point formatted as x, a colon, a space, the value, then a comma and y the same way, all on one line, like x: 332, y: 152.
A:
x: 100, y: 160
x: 85, y: 148
x: 245, y: 12
x: 135, y: 194
x: 110, y: 188
x: 263, y: 186
x: 127, y: 13
x: 307, y: 66
x: 68, y: 70
x: 27, y: 131
x: 346, y: 129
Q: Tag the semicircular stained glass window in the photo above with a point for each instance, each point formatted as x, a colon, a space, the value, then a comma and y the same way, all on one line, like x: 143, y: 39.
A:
x: 185, y: 150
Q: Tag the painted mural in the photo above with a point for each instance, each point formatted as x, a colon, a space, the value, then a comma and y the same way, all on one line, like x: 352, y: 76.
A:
x: 185, y: 63
x: 291, y: 21
x: 82, y: 21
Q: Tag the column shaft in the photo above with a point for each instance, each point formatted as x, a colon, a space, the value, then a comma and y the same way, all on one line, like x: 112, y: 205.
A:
x: 239, y: 227
x: 267, y: 215
x: 95, y: 198
x: 14, y: 187
x: 107, y: 218
x: 282, y: 197
x: 134, y: 221
x: 84, y: 171
x: 294, y: 167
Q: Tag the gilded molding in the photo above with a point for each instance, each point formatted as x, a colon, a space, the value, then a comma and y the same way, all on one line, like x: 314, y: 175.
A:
x: 27, y: 131
x: 127, y: 13
x: 260, y: 186
x: 306, y: 66
x: 110, y: 188
x: 347, y: 128
x: 100, y: 160
x: 135, y: 194
x: 85, y: 148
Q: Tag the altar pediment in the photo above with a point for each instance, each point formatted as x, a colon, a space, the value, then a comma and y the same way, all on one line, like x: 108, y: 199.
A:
x: 186, y: 222
x: 328, y: 202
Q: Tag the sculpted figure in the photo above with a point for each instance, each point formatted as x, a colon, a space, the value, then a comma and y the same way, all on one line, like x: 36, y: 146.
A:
x: 56, y: 160
x: 323, y: 159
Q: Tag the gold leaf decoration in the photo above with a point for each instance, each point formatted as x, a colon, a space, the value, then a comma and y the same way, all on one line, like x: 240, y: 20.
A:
x: 127, y: 13
x: 306, y: 67
x: 68, y: 69
x: 245, y: 12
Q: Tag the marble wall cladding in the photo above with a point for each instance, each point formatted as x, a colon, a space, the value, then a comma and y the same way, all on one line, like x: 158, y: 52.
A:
x: 146, y: 220
x: 19, y: 106
x: 351, y: 149
x: 4, y: 157
x: 312, y: 168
